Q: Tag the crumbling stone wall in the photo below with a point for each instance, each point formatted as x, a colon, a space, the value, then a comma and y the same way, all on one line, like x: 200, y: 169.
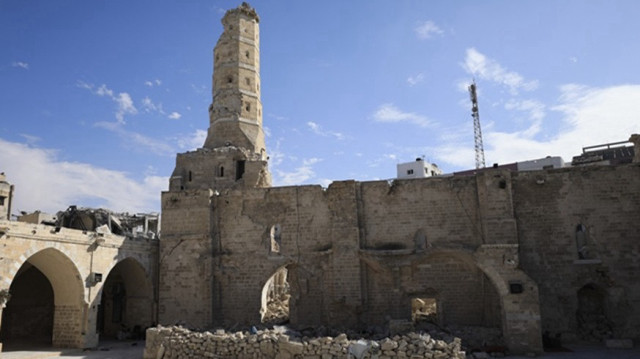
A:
x: 177, y: 342
x: 597, y: 206
x: 356, y: 254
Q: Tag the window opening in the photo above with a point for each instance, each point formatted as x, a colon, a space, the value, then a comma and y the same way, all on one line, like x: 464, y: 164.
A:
x: 248, y: 107
x: 275, y: 236
x: 409, y: 172
x: 190, y: 176
x: 239, y: 169
x: 221, y: 171
x: 247, y: 80
x: 424, y: 310
x: 229, y: 79
x: 582, y: 242
x: 246, y: 54
x: 2, y: 200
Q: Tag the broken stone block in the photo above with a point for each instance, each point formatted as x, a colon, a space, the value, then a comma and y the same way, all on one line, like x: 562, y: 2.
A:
x: 291, y: 347
x: 619, y: 343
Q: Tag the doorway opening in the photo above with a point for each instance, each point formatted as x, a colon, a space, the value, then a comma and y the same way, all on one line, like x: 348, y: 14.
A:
x: 275, y: 298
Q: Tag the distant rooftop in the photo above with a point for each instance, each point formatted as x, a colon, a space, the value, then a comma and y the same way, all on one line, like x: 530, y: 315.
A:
x: 614, y: 153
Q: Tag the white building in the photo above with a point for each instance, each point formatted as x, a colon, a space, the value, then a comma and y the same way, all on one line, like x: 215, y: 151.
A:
x: 418, y: 169
x: 541, y: 164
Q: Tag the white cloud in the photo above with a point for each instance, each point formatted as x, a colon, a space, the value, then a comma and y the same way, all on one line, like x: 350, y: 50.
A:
x: 125, y: 106
x: 535, y: 114
x: 427, y: 29
x: 148, y: 105
x: 152, y: 83
x: 477, y: 64
x: 174, y: 115
x: 414, y: 80
x: 298, y: 176
x: 138, y: 140
x: 588, y: 116
x: 44, y: 182
x: 123, y: 100
x: 317, y: 129
x: 103, y: 90
x: 384, y: 159
x: 193, y: 140
x: 20, y: 64
x: 30, y: 138
x: 295, y: 177
x: 389, y: 113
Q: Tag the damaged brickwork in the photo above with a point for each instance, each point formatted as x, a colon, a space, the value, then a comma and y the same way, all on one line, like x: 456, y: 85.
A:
x: 521, y: 253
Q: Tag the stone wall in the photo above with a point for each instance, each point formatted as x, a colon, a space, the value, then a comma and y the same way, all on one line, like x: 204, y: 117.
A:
x: 357, y: 254
x: 177, y: 342
x: 67, y: 258
x: 593, y: 208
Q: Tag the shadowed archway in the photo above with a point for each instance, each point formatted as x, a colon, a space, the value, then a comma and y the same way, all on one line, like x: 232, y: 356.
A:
x: 126, y: 304
x: 46, y: 305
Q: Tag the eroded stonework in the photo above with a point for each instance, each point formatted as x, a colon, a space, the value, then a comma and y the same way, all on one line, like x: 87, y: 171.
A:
x: 498, y: 249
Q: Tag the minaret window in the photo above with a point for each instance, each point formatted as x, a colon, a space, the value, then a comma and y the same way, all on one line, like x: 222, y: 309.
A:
x: 247, y: 54
x: 229, y: 79
x: 239, y: 169
x: 247, y: 80
x: 248, y: 107
x: 221, y: 171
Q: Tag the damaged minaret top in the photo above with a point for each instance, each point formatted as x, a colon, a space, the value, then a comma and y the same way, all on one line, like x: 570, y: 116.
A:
x: 234, y: 153
x: 236, y: 112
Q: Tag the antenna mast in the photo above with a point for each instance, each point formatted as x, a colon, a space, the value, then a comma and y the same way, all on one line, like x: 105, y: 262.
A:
x: 477, y: 132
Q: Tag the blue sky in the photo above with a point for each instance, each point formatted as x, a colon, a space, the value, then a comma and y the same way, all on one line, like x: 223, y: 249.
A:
x: 97, y: 97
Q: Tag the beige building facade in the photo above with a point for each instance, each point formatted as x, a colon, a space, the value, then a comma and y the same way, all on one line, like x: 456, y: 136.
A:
x: 70, y: 286
x: 525, y: 252
x: 552, y: 251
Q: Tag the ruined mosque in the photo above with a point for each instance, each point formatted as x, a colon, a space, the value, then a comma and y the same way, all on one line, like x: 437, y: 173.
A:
x: 550, y: 251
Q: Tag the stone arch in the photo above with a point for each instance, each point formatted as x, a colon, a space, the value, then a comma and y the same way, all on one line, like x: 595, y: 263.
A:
x: 275, y: 297
x: 520, y: 309
x: 592, y: 314
x: 469, y: 297
x: 125, y: 300
x: 68, y: 305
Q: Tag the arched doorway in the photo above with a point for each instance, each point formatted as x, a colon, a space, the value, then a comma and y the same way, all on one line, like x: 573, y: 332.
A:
x: 591, y: 316
x: 126, y: 305
x: 275, y: 298
x: 46, y: 305
x: 27, y: 319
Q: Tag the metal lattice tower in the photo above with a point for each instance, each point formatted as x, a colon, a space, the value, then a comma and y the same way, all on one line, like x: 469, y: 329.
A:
x: 477, y: 132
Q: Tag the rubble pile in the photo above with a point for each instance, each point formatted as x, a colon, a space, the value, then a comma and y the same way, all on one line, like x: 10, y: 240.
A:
x: 277, y: 309
x: 178, y: 342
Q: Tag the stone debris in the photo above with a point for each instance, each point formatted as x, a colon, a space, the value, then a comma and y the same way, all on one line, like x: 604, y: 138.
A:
x: 179, y: 342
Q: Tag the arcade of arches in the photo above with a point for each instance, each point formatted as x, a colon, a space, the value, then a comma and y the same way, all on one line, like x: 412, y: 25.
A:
x: 69, y: 288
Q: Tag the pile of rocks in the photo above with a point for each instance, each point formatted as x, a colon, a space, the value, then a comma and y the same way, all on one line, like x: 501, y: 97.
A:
x: 178, y: 342
x: 277, y: 309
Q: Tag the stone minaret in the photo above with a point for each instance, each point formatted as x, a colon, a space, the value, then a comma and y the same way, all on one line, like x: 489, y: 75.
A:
x: 236, y: 112
x: 234, y: 152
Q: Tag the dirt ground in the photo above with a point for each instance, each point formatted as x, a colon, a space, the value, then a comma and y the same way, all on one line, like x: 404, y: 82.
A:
x: 134, y: 350
x: 106, y: 350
